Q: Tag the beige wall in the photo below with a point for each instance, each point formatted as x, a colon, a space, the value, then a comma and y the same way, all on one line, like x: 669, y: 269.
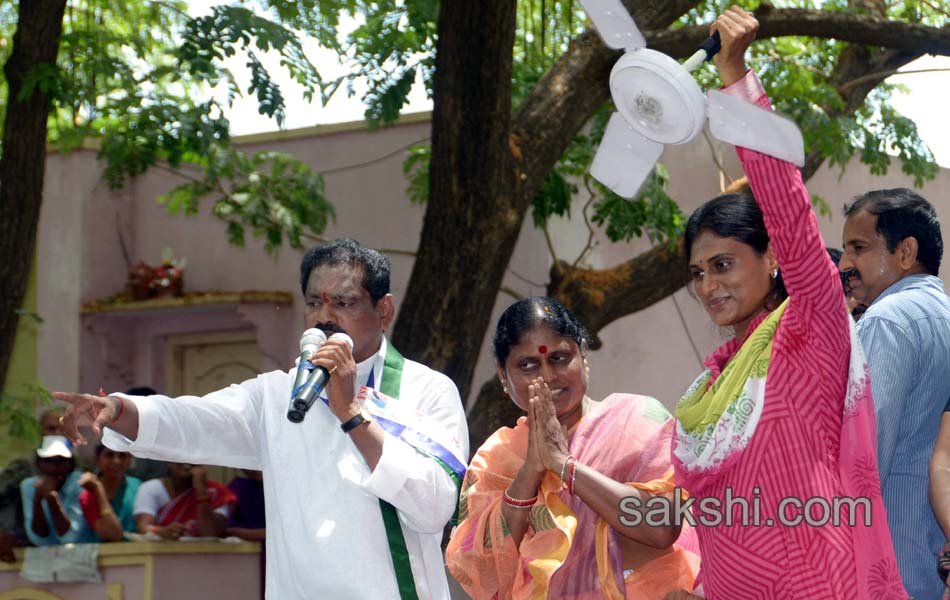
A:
x: 80, y: 257
x: 190, y: 570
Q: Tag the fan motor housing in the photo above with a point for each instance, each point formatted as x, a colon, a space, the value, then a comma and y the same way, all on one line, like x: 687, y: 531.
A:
x: 657, y: 96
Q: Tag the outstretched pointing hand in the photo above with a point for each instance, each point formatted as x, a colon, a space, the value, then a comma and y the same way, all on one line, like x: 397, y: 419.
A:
x: 86, y: 409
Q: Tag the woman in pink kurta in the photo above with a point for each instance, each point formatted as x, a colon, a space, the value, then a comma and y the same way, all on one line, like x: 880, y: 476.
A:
x: 783, y: 410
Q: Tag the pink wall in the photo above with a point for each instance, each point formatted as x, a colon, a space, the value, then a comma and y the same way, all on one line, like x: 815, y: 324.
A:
x: 650, y: 352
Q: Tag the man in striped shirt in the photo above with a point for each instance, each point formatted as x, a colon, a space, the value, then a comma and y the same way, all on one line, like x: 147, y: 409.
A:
x: 893, y: 246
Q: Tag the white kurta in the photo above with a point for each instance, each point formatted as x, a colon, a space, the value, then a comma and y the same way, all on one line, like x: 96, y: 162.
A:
x: 325, y: 533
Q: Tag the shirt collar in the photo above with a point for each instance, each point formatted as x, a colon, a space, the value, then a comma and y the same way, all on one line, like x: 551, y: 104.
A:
x: 374, y: 363
x: 920, y: 280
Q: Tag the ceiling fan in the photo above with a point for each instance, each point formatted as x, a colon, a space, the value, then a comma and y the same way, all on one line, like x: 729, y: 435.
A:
x: 659, y: 102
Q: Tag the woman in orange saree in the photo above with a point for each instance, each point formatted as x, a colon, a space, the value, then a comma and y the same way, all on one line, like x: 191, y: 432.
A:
x: 557, y: 507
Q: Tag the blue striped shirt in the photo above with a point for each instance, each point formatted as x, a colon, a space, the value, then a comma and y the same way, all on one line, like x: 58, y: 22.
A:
x: 906, y: 335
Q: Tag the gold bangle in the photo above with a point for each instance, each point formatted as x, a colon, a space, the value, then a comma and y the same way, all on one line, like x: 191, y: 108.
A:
x: 107, y: 512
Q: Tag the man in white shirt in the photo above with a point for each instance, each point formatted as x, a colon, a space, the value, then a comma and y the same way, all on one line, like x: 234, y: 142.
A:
x: 351, y: 513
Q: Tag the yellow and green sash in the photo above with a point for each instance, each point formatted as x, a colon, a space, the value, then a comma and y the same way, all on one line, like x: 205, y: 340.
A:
x: 424, y: 443
x: 715, y: 421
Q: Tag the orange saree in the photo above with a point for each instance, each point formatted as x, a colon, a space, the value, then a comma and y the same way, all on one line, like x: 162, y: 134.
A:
x: 568, y: 550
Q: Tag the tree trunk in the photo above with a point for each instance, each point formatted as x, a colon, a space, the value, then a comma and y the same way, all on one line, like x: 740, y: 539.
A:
x: 23, y: 163
x: 471, y: 222
x: 486, y: 168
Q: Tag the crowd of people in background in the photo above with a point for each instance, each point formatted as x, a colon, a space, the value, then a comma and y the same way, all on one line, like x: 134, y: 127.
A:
x: 52, y: 498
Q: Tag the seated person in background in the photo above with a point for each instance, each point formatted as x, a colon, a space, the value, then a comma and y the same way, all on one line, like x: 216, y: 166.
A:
x: 183, y: 504
x: 51, y: 511
x: 538, y: 511
x: 109, y: 495
x: 247, y: 517
x: 50, y: 423
x: 12, y: 533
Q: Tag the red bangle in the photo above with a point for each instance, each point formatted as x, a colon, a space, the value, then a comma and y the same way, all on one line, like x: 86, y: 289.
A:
x: 121, y: 410
x: 517, y: 502
x: 201, y: 499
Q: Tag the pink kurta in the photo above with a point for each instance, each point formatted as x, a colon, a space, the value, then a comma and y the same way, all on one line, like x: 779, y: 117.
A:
x: 807, y: 442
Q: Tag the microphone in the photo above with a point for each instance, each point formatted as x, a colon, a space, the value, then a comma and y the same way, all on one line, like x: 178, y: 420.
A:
x: 318, y: 377
x: 310, y: 341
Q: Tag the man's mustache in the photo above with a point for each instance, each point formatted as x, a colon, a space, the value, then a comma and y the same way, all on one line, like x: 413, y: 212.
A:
x: 330, y: 328
x: 846, y: 275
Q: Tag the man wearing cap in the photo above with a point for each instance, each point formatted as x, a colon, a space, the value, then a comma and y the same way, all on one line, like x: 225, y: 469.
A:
x: 12, y: 534
x: 51, y: 510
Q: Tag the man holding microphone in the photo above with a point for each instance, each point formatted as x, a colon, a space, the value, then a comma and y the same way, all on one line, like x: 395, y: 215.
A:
x: 357, y: 494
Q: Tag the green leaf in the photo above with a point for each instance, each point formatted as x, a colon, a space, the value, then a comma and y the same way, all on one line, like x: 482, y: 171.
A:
x: 554, y: 198
x: 416, y: 169
x: 386, y: 99
x: 30, y: 315
x: 236, y: 234
x: 18, y: 409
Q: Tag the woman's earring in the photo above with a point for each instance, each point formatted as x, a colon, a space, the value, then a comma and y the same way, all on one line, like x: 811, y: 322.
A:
x: 774, y: 273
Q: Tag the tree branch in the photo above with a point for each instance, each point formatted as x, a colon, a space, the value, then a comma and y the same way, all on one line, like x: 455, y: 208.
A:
x: 569, y: 93
x: 865, y: 30
x: 940, y: 9
x: 549, y: 243
x: 845, y: 87
x: 600, y: 296
x: 591, y: 232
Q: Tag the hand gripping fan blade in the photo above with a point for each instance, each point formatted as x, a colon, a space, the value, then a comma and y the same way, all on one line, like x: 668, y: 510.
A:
x: 624, y: 158
x: 742, y: 123
x: 614, y: 24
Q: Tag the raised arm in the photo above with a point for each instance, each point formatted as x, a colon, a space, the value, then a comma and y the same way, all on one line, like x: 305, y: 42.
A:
x: 808, y: 272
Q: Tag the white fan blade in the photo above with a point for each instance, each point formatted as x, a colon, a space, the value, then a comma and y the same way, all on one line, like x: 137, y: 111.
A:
x: 624, y: 158
x: 742, y: 123
x: 614, y: 24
